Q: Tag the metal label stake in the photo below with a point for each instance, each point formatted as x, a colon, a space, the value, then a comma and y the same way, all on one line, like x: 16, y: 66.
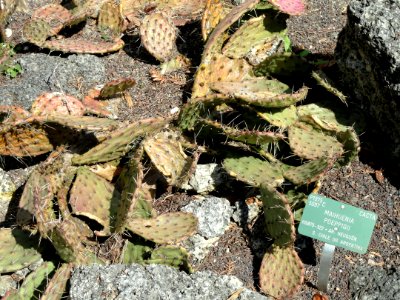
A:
x: 324, y: 267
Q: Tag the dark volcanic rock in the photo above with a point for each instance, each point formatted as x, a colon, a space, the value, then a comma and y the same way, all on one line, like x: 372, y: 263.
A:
x: 370, y: 283
x: 368, y: 56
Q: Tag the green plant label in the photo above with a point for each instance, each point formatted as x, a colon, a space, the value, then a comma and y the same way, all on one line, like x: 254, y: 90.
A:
x: 337, y: 223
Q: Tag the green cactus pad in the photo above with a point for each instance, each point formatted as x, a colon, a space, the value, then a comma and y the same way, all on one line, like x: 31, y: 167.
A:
x: 260, y: 92
x: 83, y: 46
x: 176, y: 257
x: 166, y: 153
x: 129, y: 182
x: 253, y: 137
x: 308, y: 172
x: 278, y: 216
x: 20, y: 140
x: 219, y: 68
x: 68, y: 241
x: 253, y: 34
x: 158, y: 35
x: 56, y: 286
x: 318, y: 115
x: 351, y: 145
x: 120, y: 142
x: 35, y: 279
x: 109, y: 20
x: 115, y: 87
x: 36, y: 31
x: 281, y: 273
x: 94, y: 197
x: 234, y: 14
x: 280, y: 117
x: 310, y: 143
x: 254, y: 171
x: 18, y: 250
x: 135, y: 253
x: 165, y: 229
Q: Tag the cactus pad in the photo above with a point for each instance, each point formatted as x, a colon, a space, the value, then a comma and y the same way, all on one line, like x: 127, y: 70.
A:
x: 18, y: 250
x: 252, y: 137
x: 251, y: 35
x: 281, y: 273
x: 81, y: 122
x: 56, y: 286
x: 24, y: 140
x: 94, y: 197
x: 110, y: 20
x: 38, y: 187
x: 253, y: 171
x: 213, y: 14
x: 55, y: 15
x: 36, y: 31
x: 219, y: 68
x: 280, y: 117
x: 310, y: 143
x: 114, y: 87
x: 83, y: 46
x: 166, y: 153
x: 165, y: 229
x: 118, y: 144
x: 56, y: 102
x: 278, y: 217
x: 176, y: 257
x: 35, y: 279
x: 318, y: 115
x: 158, y: 35
x: 308, y: 172
x: 291, y: 7
x: 260, y: 92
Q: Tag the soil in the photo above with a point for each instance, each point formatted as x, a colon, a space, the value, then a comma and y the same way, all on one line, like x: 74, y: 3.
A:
x: 365, y: 183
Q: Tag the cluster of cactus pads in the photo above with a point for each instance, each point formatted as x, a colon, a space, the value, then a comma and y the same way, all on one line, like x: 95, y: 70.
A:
x: 95, y: 185
x: 105, y: 183
x: 269, y: 133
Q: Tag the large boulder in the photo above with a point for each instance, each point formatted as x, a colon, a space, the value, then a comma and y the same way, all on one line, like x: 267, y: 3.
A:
x: 368, y: 56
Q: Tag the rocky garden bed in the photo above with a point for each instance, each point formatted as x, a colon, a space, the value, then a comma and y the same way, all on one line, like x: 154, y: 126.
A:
x: 166, y: 149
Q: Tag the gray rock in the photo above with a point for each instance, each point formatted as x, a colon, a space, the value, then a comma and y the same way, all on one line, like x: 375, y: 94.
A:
x: 374, y: 283
x: 206, y: 178
x: 213, y: 213
x: 153, y: 282
x: 368, y: 56
x: 43, y: 73
x: 245, y: 213
x: 7, y: 189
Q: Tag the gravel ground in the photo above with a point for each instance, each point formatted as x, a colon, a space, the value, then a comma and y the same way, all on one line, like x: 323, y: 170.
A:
x: 359, y: 184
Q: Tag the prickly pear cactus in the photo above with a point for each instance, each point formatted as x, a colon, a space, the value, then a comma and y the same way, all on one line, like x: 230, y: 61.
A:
x: 158, y: 36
